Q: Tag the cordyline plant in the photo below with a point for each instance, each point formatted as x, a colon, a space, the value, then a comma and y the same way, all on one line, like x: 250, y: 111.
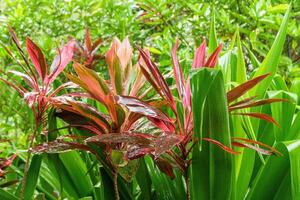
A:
x: 86, y: 53
x: 121, y: 124
x: 183, y: 111
x: 118, y: 130
x: 4, y: 163
x: 38, y: 81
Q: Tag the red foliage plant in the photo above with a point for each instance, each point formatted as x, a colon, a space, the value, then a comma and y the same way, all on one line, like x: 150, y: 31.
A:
x: 38, y: 79
x: 86, y: 53
x: 116, y: 114
x: 4, y: 163
x: 184, y: 131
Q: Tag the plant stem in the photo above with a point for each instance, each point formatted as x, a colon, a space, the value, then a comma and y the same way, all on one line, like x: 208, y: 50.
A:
x: 26, y: 168
x: 115, y: 181
x: 187, y: 182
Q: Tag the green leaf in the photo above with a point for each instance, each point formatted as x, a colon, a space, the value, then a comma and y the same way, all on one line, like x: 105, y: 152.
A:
x: 144, y: 181
x: 200, y: 80
x: 267, y: 183
x: 270, y: 63
x: 241, y: 75
x: 163, y: 185
x: 66, y: 185
x: 32, y: 176
x: 279, y: 8
x: 77, y: 171
x: 212, y: 168
x: 6, y: 195
x: 213, y: 43
x: 288, y: 108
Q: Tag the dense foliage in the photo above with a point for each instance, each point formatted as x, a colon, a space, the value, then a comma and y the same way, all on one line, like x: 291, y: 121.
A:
x: 85, y: 115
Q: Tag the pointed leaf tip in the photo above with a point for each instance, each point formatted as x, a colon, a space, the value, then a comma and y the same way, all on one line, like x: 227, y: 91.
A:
x: 37, y: 57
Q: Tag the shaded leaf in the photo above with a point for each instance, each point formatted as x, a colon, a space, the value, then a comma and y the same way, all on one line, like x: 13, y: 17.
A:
x: 165, y: 167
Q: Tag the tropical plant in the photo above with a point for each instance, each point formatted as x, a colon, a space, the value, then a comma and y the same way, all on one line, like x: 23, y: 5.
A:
x: 39, y: 82
x: 144, y: 133
x: 6, y: 162
x: 87, y: 53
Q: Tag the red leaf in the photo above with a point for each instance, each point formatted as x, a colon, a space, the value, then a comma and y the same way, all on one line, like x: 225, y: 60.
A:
x: 78, y: 121
x: 130, y: 120
x: 165, y: 167
x: 255, y: 103
x: 31, y: 98
x: 26, y: 78
x: 137, y: 106
x: 166, y: 142
x: 96, y: 45
x: 257, y: 142
x: 157, y: 78
x: 63, y: 86
x: 58, y: 146
x: 238, y: 91
x: 4, y: 163
x: 177, y: 71
x: 135, y: 152
x: 17, y: 43
x: 37, y: 58
x: 212, y: 60
x: 260, y: 150
x: 7, y: 162
x: 243, y: 101
x: 163, y: 125
x: 124, y: 53
x: 21, y: 91
x: 91, y: 113
x: 93, y: 83
x: 200, y: 56
x: 222, y: 146
x: 87, y: 40
x: 260, y: 116
x: 61, y: 60
x: 130, y: 138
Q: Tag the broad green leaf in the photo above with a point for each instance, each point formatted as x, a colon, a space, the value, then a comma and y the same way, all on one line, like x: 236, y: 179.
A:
x: 66, y: 185
x: 32, y: 176
x: 163, y: 185
x: 77, y: 171
x: 279, y: 83
x: 284, y: 120
x: 270, y: 63
x: 212, y: 168
x: 6, y: 195
x: 144, y: 181
x: 267, y: 183
x: 200, y: 81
